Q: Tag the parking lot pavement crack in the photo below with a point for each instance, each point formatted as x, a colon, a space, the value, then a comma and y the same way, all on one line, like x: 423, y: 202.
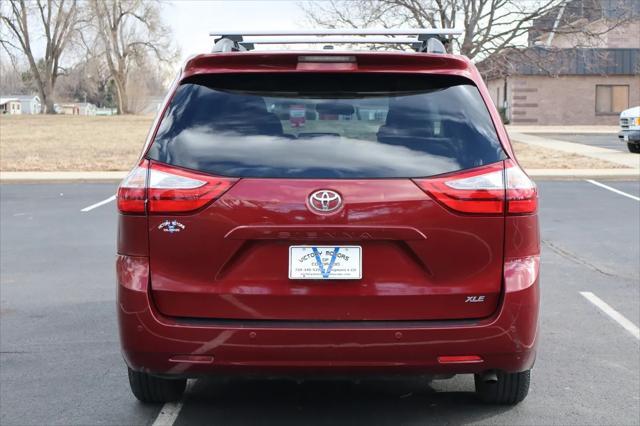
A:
x: 576, y: 259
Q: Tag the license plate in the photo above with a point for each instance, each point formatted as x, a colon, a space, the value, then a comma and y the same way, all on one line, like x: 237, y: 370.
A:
x: 325, y: 262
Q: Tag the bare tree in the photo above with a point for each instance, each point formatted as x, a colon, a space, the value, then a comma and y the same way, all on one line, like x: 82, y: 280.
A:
x: 58, y: 20
x: 10, y: 72
x: 130, y: 30
x: 490, y: 26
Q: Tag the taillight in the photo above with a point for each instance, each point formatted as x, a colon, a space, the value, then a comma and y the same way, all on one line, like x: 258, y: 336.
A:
x: 168, y: 189
x: 478, y: 190
x: 488, y: 189
x: 131, y: 192
x: 177, y: 190
x: 522, y: 194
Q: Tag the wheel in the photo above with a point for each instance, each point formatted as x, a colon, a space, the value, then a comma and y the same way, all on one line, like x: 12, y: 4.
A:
x: 148, y: 388
x: 510, y: 389
x: 634, y: 147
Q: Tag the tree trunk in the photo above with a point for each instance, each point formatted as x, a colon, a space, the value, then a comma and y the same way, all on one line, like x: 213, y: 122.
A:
x: 123, y: 100
x: 47, y: 99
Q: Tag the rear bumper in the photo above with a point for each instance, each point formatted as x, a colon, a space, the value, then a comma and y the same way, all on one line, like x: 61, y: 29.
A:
x: 166, y: 346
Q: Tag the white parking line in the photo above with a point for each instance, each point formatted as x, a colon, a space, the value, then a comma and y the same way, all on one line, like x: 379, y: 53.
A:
x: 617, y: 191
x: 615, y: 315
x: 98, y: 204
x: 170, y: 410
x: 168, y: 414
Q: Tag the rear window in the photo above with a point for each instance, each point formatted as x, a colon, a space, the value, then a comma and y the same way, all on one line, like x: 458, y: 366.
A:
x: 326, y: 126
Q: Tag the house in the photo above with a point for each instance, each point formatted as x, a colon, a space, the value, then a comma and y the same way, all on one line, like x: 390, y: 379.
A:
x: 68, y: 109
x: 30, y: 103
x: 106, y: 111
x: 563, y: 78
x: 10, y: 106
x: 87, y: 108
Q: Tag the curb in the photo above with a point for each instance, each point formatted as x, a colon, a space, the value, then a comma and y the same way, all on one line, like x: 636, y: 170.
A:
x: 584, y: 173
x: 49, y: 177
x: 567, y: 130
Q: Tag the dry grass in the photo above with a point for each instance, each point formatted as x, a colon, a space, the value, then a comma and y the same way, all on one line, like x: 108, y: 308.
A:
x: 71, y: 143
x: 78, y: 143
x: 535, y: 157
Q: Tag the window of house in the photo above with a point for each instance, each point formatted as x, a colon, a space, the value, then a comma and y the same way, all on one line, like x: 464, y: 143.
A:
x: 611, y: 99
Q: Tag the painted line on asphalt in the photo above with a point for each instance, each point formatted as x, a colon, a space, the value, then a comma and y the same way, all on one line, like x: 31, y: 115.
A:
x: 615, y: 315
x: 170, y: 410
x: 617, y: 191
x: 98, y: 204
x: 168, y: 414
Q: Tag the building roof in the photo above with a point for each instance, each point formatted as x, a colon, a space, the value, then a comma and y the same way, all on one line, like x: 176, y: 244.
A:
x: 28, y: 97
x: 23, y: 98
x: 5, y: 100
x: 553, y: 62
x: 584, y: 10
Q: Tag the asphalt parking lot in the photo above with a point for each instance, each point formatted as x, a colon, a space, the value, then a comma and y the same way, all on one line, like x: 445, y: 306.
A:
x: 59, y: 351
x: 606, y: 140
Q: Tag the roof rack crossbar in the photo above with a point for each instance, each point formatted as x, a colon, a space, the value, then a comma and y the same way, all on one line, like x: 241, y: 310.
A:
x: 332, y: 40
x: 335, y: 32
x: 426, y: 40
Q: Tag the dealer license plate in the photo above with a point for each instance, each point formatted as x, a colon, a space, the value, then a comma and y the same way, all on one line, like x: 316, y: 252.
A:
x: 325, y: 262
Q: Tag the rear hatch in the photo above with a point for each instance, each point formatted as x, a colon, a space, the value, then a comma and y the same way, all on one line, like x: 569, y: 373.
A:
x: 326, y: 197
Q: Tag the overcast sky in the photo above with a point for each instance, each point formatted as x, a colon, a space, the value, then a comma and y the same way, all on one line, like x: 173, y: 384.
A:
x: 191, y: 20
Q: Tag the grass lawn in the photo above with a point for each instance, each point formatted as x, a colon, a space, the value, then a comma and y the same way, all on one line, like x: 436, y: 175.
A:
x: 71, y: 143
x: 80, y: 143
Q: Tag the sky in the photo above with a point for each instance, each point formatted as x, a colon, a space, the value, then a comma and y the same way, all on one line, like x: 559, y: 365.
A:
x: 192, y: 20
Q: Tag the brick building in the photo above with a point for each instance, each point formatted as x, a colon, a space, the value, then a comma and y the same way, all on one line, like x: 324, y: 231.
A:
x: 568, y: 78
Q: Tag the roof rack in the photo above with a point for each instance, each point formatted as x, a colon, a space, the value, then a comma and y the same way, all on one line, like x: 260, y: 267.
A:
x: 426, y: 40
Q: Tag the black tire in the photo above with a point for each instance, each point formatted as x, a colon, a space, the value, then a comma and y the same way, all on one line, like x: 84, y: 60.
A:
x: 148, y: 388
x: 634, y: 147
x: 510, y: 389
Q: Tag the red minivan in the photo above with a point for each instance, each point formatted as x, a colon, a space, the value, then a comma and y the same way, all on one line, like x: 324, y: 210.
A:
x: 394, y: 233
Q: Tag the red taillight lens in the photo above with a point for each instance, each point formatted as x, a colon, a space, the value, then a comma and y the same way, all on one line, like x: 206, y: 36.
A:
x: 131, y: 192
x: 168, y: 189
x: 485, y: 190
x: 478, y: 190
x: 522, y: 194
x: 173, y: 190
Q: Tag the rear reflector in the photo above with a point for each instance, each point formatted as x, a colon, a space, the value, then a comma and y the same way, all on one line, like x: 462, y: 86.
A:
x: 168, y: 189
x: 459, y: 359
x: 521, y: 273
x: 192, y: 359
x: 488, y: 189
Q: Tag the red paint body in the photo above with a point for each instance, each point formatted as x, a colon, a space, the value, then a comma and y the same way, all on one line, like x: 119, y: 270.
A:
x: 218, y: 299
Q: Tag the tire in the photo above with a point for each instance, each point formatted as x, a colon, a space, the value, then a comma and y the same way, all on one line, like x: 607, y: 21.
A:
x: 148, y: 388
x: 634, y: 147
x: 510, y: 389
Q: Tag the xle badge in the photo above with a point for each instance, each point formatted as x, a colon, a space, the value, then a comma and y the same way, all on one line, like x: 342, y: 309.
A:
x: 171, y: 226
x: 474, y: 299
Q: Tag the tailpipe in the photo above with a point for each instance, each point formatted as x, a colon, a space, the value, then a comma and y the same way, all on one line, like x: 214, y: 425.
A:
x: 489, y: 376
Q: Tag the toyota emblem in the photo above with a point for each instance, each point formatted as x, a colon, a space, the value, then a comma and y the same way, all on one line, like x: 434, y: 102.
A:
x: 325, y: 201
